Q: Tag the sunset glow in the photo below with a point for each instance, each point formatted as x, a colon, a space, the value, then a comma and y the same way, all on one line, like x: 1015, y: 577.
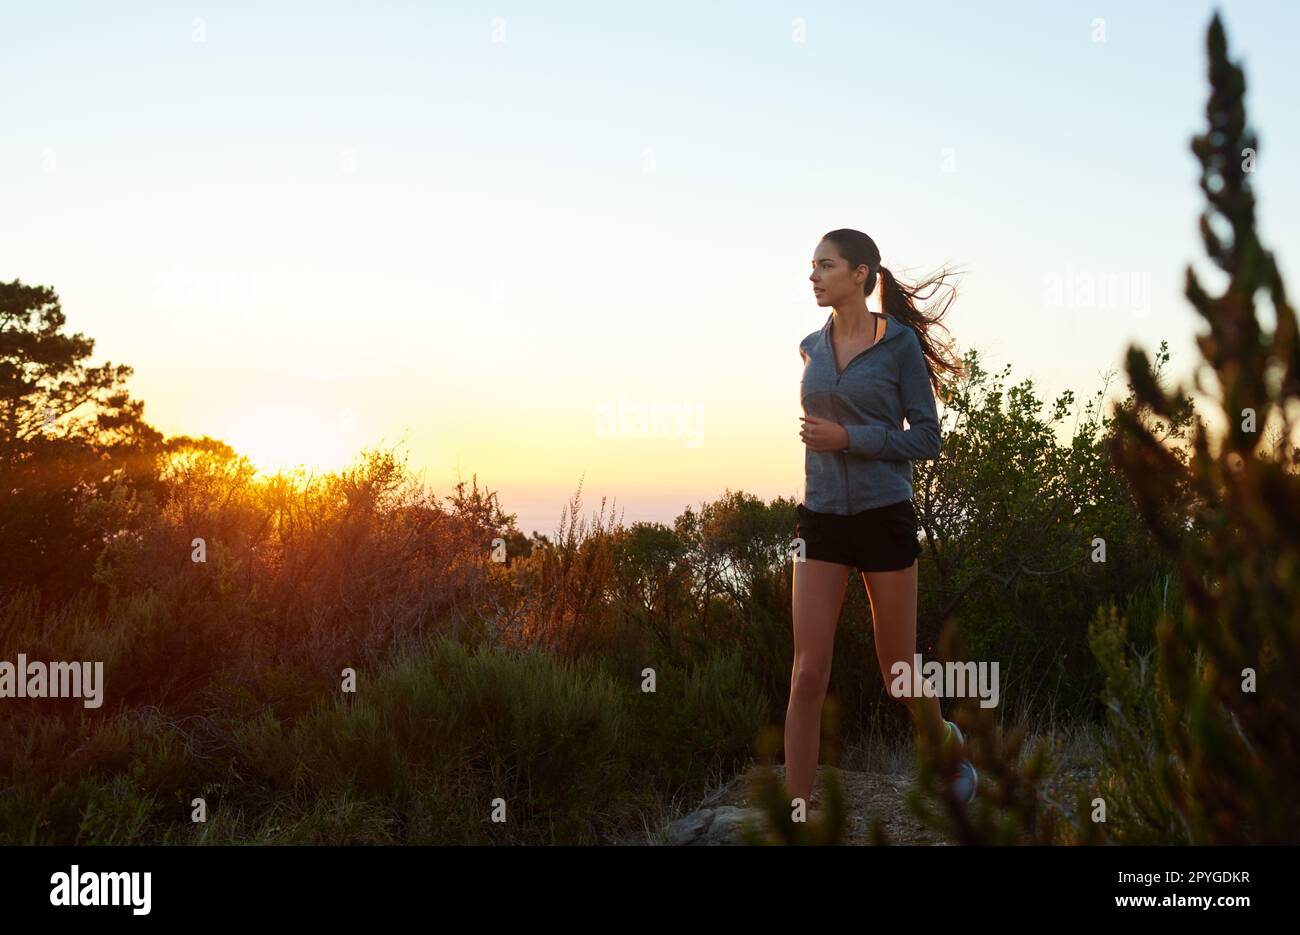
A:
x: 284, y: 435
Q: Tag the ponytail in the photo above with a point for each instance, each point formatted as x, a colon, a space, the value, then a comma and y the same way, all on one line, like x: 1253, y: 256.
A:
x: 898, y: 300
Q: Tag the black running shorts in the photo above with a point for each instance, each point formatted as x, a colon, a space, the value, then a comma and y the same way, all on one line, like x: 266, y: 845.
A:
x: 881, y: 539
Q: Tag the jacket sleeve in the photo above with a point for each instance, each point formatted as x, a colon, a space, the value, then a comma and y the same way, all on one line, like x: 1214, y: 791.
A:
x: 921, y: 440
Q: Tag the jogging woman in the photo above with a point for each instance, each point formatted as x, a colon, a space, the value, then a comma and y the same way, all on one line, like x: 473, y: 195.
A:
x: 864, y: 373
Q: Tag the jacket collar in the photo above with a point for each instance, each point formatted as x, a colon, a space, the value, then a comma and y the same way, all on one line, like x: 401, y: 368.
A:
x: 893, y: 329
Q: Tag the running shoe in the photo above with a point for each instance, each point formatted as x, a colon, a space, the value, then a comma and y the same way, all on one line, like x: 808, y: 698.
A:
x: 963, y: 782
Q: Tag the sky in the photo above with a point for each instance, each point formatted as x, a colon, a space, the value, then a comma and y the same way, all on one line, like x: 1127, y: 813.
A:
x: 492, y: 235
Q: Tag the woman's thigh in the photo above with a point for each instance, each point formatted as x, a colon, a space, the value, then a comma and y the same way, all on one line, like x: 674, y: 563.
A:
x: 818, y: 598
x: 893, y: 615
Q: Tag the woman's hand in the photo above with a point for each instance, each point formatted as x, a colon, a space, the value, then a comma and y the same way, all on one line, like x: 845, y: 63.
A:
x: 823, y: 434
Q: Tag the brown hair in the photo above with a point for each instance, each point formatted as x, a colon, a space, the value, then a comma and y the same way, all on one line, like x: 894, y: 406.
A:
x: 898, y: 300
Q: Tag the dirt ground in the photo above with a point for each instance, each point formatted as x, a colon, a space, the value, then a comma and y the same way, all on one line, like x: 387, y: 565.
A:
x: 866, y: 794
x: 878, y: 787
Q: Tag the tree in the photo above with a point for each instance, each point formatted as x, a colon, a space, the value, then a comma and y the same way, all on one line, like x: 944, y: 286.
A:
x: 54, y: 455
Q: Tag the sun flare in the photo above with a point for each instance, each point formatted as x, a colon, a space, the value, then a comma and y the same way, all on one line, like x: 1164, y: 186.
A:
x: 287, y: 435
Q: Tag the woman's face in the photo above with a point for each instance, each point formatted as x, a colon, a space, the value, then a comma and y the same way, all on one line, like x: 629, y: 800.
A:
x: 834, y: 283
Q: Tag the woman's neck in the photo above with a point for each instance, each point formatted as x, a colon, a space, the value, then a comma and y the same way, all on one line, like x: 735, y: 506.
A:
x: 854, y: 322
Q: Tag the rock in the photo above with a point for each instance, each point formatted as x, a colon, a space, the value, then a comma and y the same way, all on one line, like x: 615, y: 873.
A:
x: 686, y: 830
x: 712, y: 826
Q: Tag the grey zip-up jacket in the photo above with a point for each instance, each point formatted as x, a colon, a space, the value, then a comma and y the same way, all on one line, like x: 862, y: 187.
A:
x: 870, y: 398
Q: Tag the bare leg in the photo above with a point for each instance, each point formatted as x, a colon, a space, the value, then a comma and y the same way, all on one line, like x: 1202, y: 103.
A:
x: 817, y: 600
x: 893, y: 617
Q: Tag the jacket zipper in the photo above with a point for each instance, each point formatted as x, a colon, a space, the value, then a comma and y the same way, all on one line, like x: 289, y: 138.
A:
x: 838, y: 372
x: 841, y: 456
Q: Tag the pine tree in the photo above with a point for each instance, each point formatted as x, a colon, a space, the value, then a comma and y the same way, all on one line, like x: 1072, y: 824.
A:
x: 68, y: 433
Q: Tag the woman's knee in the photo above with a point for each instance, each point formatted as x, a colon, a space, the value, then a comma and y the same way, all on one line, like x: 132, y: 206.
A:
x: 810, y: 679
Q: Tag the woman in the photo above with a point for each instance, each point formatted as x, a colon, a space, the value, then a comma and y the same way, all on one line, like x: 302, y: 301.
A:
x: 863, y: 373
